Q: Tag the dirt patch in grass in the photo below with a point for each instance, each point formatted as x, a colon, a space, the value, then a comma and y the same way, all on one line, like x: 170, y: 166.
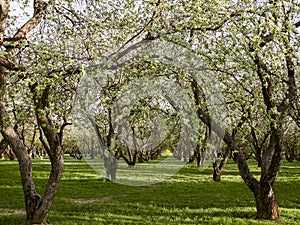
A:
x: 92, y: 200
x: 5, y: 212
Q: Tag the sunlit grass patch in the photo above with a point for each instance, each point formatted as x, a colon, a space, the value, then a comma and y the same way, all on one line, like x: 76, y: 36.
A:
x: 188, y: 197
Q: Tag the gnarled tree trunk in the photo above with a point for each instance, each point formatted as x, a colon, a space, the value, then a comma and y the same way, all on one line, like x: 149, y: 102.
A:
x: 36, y: 206
x: 31, y: 196
x: 264, y: 192
x: 266, y: 204
x: 272, y: 157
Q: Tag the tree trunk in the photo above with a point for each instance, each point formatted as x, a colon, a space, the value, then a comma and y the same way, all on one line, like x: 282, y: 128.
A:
x: 218, y: 169
x: 54, y: 149
x: 111, y: 166
x: 258, y: 157
x: 9, y: 135
x: 33, y: 202
x: 32, y: 198
x: 217, y: 172
x: 44, y: 205
x: 3, y: 146
x: 199, y: 156
x: 266, y: 204
x: 11, y: 155
x: 36, y: 207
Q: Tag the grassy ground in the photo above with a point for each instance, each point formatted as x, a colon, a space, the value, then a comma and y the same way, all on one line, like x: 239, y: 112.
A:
x: 189, y: 197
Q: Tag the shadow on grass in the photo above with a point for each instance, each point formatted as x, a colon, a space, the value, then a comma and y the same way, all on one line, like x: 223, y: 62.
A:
x: 190, y: 197
x: 151, y: 214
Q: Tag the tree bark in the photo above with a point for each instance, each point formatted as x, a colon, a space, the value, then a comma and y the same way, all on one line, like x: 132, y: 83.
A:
x: 257, y: 147
x: 218, y: 169
x: 3, y: 146
x: 33, y: 202
x: 266, y: 204
x: 37, y: 207
x: 54, y: 149
x: 44, y: 205
x: 217, y: 172
x: 31, y: 196
x: 111, y: 166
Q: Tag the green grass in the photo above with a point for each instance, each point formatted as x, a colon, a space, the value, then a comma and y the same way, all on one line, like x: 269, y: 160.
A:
x: 189, y: 197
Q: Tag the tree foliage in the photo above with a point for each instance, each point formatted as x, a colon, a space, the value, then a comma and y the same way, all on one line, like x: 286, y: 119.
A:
x: 250, y: 47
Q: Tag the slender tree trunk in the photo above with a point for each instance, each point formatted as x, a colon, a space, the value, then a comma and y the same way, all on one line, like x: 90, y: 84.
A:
x: 257, y: 146
x: 11, y: 155
x: 197, y: 155
x: 218, y: 169
x: 31, y: 197
x: 92, y: 149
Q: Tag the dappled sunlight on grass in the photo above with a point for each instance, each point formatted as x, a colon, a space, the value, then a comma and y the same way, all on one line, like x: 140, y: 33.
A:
x: 188, y: 197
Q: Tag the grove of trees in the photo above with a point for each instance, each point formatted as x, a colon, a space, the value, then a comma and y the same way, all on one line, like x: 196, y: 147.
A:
x: 251, y: 49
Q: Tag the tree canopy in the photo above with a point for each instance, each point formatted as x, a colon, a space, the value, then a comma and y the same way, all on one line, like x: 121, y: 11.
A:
x: 250, y: 48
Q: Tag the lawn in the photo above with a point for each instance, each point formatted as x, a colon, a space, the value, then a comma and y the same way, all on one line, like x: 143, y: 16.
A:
x: 189, y: 197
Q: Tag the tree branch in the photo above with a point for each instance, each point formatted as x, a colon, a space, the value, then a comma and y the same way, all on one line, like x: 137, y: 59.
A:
x: 4, y: 6
x: 39, y: 10
x: 239, y: 156
x: 9, y: 64
x: 61, y: 130
x: 266, y: 83
x: 297, y: 24
x: 273, y: 160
